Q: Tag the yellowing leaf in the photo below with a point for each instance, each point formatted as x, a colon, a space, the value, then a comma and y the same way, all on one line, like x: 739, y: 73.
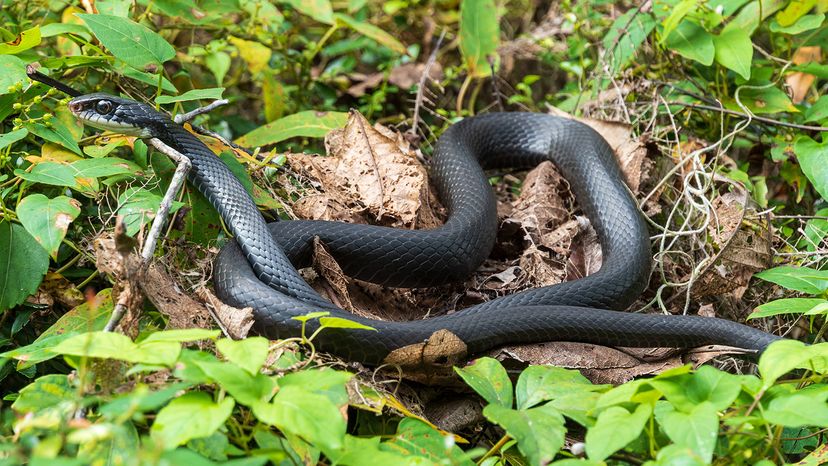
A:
x: 24, y: 41
x: 254, y: 54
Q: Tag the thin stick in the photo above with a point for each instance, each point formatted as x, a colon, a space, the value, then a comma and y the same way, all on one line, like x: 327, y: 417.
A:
x: 770, y: 121
x: 423, y: 81
x: 185, y: 117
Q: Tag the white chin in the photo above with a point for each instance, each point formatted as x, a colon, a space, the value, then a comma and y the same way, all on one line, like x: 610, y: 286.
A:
x: 98, y: 122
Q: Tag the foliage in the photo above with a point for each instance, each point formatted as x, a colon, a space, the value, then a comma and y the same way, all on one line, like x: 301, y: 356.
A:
x: 291, y: 70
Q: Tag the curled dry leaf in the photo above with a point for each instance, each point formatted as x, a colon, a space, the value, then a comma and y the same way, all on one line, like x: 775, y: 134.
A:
x: 800, y: 82
x: 372, y: 170
x: 236, y: 323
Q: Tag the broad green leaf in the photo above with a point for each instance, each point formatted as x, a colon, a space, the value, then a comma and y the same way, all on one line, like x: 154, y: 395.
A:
x: 219, y: 64
x: 372, y: 32
x: 805, y: 23
x: 323, y: 381
x: 138, y: 207
x: 12, y: 72
x: 539, y: 432
x: 812, y: 157
x: 697, y: 429
x: 246, y: 388
x: 45, y: 392
x: 816, y: 230
x: 308, y: 415
x: 47, y: 220
x: 57, y: 133
x: 141, y: 400
x: 12, y: 137
x: 135, y: 44
x: 804, y: 279
x: 249, y: 354
x: 103, y: 151
x: 795, y: 10
x: 319, y: 10
x: 89, y: 316
x: 361, y: 451
x: 816, y: 112
x: 310, y: 316
x: 707, y: 385
x: 57, y: 29
x: 677, y: 455
x: 781, y: 357
x: 677, y: 14
x: 691, y: 41
x: 183, y: 335
x: 146, y: 78
x: 24, y: 41
x: 99, y: 168
x: 537, y: 384
x: 627, y: 33
x: 734, y: 50
x: 339, y: 322
x: 191, y: 416
x: 786, y: 306
x: 489, y: 379
x: 764, y: 100
x: 23, y: 262
x: 309, y: 124
x: 106, y: 443
x: 213, y: 93
x: 479, y: 35
x: 51, y: 173
x: 614, y: 429
x: 798, y: 409
x: 416, y: 438
x: 110, y: 345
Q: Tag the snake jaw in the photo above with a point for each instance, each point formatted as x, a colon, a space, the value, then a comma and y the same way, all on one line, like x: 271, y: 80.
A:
x: 106, y: 112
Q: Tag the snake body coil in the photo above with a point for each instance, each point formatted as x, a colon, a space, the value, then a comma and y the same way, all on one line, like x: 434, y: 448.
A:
x: 258, y: 270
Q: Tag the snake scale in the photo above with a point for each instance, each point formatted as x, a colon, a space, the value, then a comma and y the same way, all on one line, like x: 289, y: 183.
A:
x: 259, y: 268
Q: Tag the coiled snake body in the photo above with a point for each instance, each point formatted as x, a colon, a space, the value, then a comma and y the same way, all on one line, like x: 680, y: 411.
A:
x: 258, y: 269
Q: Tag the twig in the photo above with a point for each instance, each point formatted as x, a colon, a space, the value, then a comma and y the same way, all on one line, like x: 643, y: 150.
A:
x: 495, y: 88
x: 422, y: 84
x: 770, y: 121
x: 185, y: 117
x: 155, y: 230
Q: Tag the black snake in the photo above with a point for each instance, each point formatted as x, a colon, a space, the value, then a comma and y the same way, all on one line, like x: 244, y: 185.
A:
x: 259, y: 268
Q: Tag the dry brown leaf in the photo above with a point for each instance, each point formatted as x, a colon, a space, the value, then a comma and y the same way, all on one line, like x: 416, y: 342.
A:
x: 798, y: 81
x: 585, y: 258
x: 325, y: 264
x: 629, y: 152
x: 235, y: 322
x: 373, y: 170
x: 324, y: 207
x: 409, y: 74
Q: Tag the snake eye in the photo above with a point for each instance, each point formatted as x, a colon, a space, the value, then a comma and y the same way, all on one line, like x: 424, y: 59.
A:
x: 103, y: 107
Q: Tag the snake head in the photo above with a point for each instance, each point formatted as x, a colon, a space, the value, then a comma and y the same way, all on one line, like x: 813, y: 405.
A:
x: 123, y: 116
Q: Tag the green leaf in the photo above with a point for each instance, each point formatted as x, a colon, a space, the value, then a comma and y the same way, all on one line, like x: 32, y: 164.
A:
x: 489, y: 379
x: 707, y: 385
x: 812, y: 157
x: 136, y: 45
x: 91, y: 315
x: 798, y: 409
x: 139, y: 206
x: 734, y: 50
x: 99, y: 168
x: 539, y: 432
x: 57, y: 29
x: 786, y: 306
x: 615, y: 428
x: 47, y: 220
x: 781, y: 357
x: 764, y: 100
x: 51, y: 173
x: 626, y: 34
x: 141, y: 400
x: 816, y: 112
x: 219, y: 64
x: 309, y: 124
x: 183, y: 335
x: 805, y: 23
x: 193, y: 415
x: 691, y: 41
x: 308, y: 415
x: 804, y: 279
x: 415, y: 438
x: 339, y: 322
x: 249, y: 354
x: 110, y: 345
x: 23, y: 262
x: 322, y: 381
x: 677, y: 14
x: 10, y: 138
x: 12, y: 72
x: 479, y: 35
x: 537, y: 384
x: 24, y: 41
x: 697, y: 430
x: 246, y: 388
x: 372, y: 32
x: 319, y: 10
x: 45, y: 392
x: 213, y: 93
x: 795, y: 10
x: 57, y: 133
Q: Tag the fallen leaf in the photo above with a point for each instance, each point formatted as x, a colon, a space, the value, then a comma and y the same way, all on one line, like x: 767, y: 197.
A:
x: 798, y: 81
x: 407, y: 75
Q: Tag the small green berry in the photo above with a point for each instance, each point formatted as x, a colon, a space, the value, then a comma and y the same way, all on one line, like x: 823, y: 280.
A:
x: 17, y: 106
x: 37, y: 99
x: 47, y: 116
x: 17, y: 122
